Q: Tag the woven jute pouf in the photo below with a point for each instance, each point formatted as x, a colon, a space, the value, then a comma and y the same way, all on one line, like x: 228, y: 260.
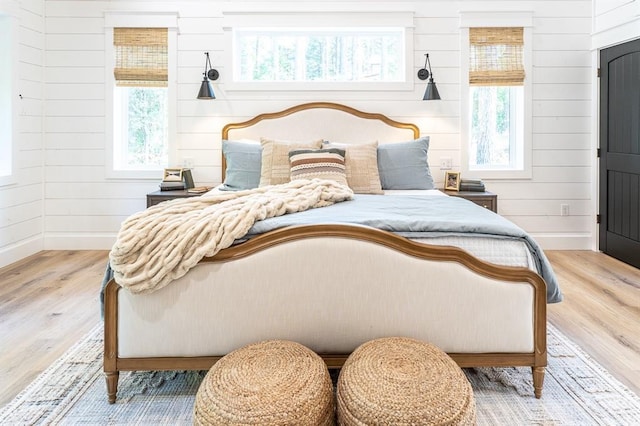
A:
x: 275, y: 382
x: 402, y: 381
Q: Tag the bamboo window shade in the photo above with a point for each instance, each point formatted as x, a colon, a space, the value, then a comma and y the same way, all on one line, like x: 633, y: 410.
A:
x: 141, y: 57
x: 495, y: 56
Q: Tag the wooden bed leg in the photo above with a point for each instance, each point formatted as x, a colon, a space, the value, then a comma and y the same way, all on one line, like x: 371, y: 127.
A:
x: 538, y: 380
x: 112, y: 385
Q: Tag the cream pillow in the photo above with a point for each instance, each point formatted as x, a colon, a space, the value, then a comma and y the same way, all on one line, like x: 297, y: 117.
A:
x: 275, y: 167
x: 361, y: 162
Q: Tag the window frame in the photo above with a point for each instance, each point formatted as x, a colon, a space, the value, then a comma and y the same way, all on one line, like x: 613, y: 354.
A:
x: 9, y: 11
x: 497, y: 19
x: 296, y: 20
x: 133, y: 19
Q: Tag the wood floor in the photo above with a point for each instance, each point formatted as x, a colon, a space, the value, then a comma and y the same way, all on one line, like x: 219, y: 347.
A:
x: 50, y: 300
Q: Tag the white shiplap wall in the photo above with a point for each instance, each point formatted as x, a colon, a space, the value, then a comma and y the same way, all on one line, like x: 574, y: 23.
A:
x: 615, y: 21
x: 83, y: 209
x: 21, y: 203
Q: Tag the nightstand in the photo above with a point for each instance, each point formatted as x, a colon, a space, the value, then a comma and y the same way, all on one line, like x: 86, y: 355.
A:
x: 157, y: 197
x: 486, y: 199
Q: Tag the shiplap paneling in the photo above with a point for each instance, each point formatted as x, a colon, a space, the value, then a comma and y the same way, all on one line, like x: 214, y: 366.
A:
x: 568, y: 59
x: 615, y: 21
x: 66, y: 190
x: 560, y: 141
x: 75, y: 157
x: 58, y: 58
x: 564, y: 91
x: 74, y: 111
x: 75, y: 91
x: 565, y: 108
x: 74, y: 141
x: 73, y: 108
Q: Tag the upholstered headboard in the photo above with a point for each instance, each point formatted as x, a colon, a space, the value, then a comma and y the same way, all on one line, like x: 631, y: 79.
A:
x: 321, y: 120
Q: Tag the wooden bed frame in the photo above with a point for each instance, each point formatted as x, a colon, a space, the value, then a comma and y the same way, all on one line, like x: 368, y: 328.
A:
x: 434, y: 269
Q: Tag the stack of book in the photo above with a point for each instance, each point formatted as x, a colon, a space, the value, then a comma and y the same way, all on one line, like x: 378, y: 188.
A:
x: 172, y: 186
x: 475, y: 185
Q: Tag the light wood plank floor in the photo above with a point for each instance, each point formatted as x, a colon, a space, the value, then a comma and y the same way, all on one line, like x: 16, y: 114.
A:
x: 50, y: 300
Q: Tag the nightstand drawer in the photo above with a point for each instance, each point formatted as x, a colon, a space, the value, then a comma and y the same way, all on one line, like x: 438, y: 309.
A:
x: 157, y: 197
x: 486, y: 199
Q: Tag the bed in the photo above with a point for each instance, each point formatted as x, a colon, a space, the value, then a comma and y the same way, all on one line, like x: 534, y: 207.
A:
x: 332, y: 284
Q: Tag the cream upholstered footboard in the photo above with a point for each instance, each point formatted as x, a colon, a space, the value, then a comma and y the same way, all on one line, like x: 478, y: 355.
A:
x: 331, y: 288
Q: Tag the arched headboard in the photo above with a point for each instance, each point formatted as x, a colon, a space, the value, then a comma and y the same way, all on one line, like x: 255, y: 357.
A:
x: 321, y: 120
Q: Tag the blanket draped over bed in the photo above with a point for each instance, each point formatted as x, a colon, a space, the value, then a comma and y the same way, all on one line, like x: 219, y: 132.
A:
x: 162, y: 243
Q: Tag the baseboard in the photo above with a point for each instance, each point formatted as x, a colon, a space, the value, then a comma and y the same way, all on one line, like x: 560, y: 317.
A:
x: 79, y: 241
x: 19, y: 251
x: 564, y: 241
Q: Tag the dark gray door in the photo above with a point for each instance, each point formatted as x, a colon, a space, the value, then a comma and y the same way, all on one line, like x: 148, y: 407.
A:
x: 620, y: 152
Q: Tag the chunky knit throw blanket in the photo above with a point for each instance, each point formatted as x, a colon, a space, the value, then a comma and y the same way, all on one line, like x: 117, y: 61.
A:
x: 162, y: 243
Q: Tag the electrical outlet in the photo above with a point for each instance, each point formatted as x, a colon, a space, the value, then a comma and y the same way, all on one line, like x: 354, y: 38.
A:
x: 187, y: 162
x: 564, y: 209
x: 446, y: 163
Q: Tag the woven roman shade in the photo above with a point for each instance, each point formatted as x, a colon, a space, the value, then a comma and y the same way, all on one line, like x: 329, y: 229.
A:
x: 141, y: 57
x: 495, y: 56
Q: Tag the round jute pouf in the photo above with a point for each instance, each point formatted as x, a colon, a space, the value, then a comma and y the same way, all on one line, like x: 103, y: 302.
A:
x: 402, y: 381
x: 275, y: 382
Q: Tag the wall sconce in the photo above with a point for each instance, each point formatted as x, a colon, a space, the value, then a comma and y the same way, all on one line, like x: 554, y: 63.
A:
x: 431, y: 94
x: 206, y: 91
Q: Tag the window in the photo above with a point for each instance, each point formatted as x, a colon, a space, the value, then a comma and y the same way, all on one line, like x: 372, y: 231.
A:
x: 140, y: 99
x: 319, y: 54
x: 320, y: 51
x: 140, y: 93
x: 141, y: 128
x: 7, y: 99
x: 497, y: 98
x: 496, y: 127
x: 496, y: 75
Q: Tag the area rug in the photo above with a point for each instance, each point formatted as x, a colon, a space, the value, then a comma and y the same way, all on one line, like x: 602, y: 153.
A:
x: 577, y: 391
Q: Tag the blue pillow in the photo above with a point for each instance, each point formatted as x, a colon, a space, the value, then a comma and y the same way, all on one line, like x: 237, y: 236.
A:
x: 405, y: 165
x: 244, y: 162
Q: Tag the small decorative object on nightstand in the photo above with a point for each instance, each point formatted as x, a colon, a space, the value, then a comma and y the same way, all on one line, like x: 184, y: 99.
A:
x: 486, y: 199
x: 157, y: 197
x: 452, y: 181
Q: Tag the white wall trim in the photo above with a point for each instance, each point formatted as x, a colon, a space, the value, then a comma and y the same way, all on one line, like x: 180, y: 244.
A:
x: 495, y: 19
x: 270, y: 19
x: 19, y: 251
x: 578, y: 241
x: 70, y: 241
x: 595, y: 144
x: 129, y: 18
x: 564, y: 241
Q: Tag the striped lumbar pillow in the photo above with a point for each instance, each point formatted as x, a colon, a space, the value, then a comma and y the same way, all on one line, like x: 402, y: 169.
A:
x: 318, y: 164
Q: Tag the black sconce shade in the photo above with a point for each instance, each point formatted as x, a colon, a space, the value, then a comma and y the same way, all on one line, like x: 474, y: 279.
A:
x: 206, y: 91
x: 431, y: 94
